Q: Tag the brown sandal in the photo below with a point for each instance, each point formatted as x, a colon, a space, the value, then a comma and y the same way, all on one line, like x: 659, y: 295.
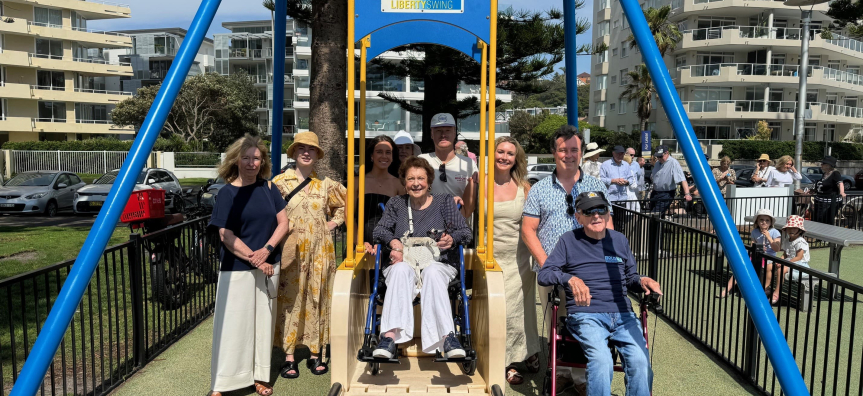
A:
x: 263, y: 389
x: 532, y: 363
x: 513, y: 377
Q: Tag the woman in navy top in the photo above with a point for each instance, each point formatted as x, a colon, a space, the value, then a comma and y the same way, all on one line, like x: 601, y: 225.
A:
x: 249, y: 213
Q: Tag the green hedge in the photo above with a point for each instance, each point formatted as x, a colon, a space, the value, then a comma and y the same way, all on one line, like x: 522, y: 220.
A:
x: 173, y: 144
x: 812, y: 151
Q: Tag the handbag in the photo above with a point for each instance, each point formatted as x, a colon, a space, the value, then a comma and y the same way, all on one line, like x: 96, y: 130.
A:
x: 418, y: 252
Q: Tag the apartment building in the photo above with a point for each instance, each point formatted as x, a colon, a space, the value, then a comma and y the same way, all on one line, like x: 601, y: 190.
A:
x: 248, y: 47
x: 737, y: 64
x: 151, y: 55
x: 53, y: 70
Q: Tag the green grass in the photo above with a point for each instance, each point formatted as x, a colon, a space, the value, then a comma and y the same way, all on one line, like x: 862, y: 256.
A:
x: 24, y: 249
x: 193, y: 181
x: 89, y: 178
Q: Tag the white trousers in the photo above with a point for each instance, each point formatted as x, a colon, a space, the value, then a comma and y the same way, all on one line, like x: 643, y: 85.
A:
x: 398, y: 311
x: 546, y: 314
x: 242, y: 331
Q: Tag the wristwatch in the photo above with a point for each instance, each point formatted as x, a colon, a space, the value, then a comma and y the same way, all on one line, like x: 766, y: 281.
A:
x: 269, y: 248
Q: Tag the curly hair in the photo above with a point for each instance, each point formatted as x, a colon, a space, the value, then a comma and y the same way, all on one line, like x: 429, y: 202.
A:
x: 518, y: 172
x: 416, y: 162
x: 228, y: 169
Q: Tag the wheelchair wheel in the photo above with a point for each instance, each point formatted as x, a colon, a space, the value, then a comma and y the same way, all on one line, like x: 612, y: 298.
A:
x: 376, y: 368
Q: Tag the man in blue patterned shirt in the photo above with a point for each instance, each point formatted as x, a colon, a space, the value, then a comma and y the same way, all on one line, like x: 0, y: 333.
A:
x: 549, y: 212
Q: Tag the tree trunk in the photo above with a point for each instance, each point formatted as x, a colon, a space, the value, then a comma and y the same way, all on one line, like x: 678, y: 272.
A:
x: 440, y: 94
x: 328, y: 111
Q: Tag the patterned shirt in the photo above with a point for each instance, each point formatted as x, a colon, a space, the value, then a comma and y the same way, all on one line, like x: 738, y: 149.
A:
x: 667, y: 175
x: 546, y: 201
x: 614, y: 170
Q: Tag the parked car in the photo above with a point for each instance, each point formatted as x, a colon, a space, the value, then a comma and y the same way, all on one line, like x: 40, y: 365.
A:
x: 815, y: 173
x: 538, y: 172
x: 89, y: 199
x: 45, y: 192
x: 744, y: 174
x: 212, y: 188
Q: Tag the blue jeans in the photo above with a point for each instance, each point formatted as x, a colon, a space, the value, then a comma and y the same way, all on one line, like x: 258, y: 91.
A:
x: 662, y: 200
x: 623, y: 330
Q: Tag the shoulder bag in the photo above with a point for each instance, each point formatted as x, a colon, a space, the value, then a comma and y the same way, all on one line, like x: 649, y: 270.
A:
x: 418, y: 252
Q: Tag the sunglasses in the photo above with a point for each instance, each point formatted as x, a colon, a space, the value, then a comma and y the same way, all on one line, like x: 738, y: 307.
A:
x: 570, y: 205
x: 442, y: 170
x: 600, y: 210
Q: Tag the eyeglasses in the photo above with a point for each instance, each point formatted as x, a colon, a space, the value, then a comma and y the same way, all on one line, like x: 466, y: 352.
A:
x: 600, y: 210
x: 570, y: 206
x: 442, y: 170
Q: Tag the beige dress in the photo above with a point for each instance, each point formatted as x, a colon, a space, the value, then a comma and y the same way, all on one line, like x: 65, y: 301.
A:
x: 519, y: 281
x: 308, y: 263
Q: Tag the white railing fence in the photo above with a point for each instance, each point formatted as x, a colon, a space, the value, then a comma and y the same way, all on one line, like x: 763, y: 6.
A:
x: 94, y: 162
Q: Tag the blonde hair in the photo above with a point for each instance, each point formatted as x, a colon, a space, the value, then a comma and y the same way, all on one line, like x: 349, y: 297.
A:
x: 228, y: 168
x: 724, y: 160
x: 783, y: 160
x: 519, y: 170
x: 628, y: 159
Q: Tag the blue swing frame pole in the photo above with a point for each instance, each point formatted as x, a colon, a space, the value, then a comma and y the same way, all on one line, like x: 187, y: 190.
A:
x: 762, y: 315
x: 570, y: 27
x: 279, y: 31
x: 70, y: 295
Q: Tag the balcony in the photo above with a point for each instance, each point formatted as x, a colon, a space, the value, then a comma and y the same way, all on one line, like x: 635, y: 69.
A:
x: 68, y: 63
x: 731, y: 38
x: 301, y: 104
x: 254, y: 54
x: 88, y: 37
x: 690, y: 7
x: 778, y: 76
x: 91, y: 9
x: 61, y: 125
x: 268, y: 104
x: 770, y: 110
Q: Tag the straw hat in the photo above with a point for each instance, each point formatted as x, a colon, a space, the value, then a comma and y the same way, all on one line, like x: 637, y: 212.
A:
x: 593, y: 149
x: 796, y: 222
x: 307, y: 138
x: 765, y: 212
x: 763, y: 157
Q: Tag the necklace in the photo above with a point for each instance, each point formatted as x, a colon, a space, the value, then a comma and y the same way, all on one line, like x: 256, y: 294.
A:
x: 503, y: 184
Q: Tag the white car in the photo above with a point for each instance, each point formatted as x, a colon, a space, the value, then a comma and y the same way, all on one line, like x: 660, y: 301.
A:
x: 89, y: 199
x: 538, y: 172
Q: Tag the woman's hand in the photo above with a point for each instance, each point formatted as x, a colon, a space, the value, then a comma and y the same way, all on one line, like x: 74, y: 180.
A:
x: 331, y: 225
x: 793, y: 170
x: 396, y: 257
x: 267, y: 269
x: 259, y: 257
x: 370, y: 249
x: 445, y: 242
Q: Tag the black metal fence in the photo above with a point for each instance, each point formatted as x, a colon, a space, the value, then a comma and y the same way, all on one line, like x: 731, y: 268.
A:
x: 145, y: 295
x: 816, y: 310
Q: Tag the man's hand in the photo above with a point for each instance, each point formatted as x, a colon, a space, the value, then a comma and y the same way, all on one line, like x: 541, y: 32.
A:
x: 650, y: 286
x: 580, y: 292
x: 688, y: 197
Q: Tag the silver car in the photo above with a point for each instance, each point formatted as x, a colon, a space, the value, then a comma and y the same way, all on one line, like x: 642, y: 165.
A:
x: 208, y: 198
x: 89, y: 200
x: 39, y: 192
x: 538, y: 172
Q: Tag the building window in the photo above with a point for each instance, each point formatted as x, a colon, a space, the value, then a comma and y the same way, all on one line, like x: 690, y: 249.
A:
x: 52, y: 111
x: 623, y: 46
x: 603, y: 28
x: 621, y: 106
x: 614, y: 52
x: 809, y: 132
x: 624, y: 75
x: 829, y: 132
x: 621, y: 128
x: 48, y: 17
x: 53, y: 80
x: 51, y: 49
x: 616, y: 23
x: 92, y: 113
x: 600, y: 109
x: 603, y: 4
x: 600, y: 82
x: 79, y: 22
x: 613, y: 80
x: 635, y: 127
x: 602, y: 57
x: 611, y: 107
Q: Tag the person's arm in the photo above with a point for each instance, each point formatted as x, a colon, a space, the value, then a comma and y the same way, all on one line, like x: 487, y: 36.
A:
x: 336, y: 194
x: 769, y: 179
x: 469, y: 196
x: 529, y: 227
x: 841, y: 186
x: 552, y: 273
x: 385, y: 229
x: 234, y: 244
x: 798, y: 257
x: 603, y: 175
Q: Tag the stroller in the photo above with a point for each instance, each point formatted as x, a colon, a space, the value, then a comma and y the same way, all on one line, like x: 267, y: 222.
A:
x: 565, y: 351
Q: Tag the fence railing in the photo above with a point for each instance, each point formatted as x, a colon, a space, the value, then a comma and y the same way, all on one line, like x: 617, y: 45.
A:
x: 197, y: 160
x: 816, y: 311
x: 94, y: 162
x: 146, y: 294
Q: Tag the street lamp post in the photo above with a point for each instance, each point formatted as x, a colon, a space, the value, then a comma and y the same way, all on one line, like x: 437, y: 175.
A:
x: 802, y: 73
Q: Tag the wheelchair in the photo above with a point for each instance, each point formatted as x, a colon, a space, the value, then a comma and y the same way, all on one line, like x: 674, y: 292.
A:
x: 566, y: 351
x: 459, y: 300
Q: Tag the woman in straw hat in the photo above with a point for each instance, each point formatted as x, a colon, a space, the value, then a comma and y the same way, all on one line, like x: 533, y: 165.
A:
x: 308, y: 259
x: 762, y: 169
x: 591, y: 160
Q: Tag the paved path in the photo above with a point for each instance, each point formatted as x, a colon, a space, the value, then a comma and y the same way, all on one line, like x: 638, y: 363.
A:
x: 62, y: 219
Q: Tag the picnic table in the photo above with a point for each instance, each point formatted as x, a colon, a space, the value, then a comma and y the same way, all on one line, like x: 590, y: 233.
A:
x: 836, y: 237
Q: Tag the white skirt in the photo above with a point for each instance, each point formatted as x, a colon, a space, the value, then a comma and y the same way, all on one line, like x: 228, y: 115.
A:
x: 242, y: 330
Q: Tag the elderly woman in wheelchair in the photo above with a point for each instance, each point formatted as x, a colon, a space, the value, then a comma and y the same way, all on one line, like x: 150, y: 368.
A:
x: 422, y: 230
x: 598, y: 266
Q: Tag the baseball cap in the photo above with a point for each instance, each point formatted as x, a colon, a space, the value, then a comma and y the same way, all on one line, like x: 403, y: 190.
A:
x: 619, y: 150
x: 442, y: 120
x: 660, y: 151
x: 590, y: 199
x: 403, y: 138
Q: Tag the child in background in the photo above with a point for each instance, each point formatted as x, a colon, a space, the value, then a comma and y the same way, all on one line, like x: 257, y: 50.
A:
x: 770, y: 238
x: 796, y: 251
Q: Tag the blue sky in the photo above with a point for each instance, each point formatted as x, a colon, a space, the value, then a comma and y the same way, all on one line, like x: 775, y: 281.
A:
x: 179, y: 13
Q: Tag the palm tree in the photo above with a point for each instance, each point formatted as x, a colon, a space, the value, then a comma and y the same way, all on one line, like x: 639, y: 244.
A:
x: 665, y: 33
x: 640, y: 90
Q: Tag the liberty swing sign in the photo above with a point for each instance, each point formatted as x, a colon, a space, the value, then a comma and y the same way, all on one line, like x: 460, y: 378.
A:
x: 426, y: 6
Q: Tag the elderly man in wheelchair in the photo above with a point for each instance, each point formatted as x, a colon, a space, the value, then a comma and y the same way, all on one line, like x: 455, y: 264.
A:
x: 422, y: 231
x: 598, y: 267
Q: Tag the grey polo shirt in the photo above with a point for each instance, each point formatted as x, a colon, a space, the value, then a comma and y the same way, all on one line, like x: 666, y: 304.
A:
x: 666, y: 176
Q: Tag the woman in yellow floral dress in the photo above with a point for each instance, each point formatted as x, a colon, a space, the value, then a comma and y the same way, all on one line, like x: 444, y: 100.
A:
x: 308, y: 257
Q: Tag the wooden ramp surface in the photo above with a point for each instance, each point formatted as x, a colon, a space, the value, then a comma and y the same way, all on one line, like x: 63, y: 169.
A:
x: 415, y: 375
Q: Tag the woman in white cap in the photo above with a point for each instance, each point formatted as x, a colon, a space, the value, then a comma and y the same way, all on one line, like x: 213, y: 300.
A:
x: 591, y: 160
x: 308, y: 258
x: 405, y: 143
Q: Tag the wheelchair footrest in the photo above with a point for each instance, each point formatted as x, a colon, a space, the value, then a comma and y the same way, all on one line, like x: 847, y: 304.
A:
x: 469, y: 357
x: 365, y: 355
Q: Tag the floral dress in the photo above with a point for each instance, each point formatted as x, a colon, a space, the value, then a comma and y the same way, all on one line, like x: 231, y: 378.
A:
x: 308, y: 262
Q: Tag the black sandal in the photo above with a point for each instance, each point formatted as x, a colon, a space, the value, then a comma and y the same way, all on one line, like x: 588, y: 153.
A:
x: 288, y: 366
x: 314, y: 363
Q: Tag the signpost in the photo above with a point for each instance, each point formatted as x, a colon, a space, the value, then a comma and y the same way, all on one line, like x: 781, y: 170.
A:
x: 645, y: 143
